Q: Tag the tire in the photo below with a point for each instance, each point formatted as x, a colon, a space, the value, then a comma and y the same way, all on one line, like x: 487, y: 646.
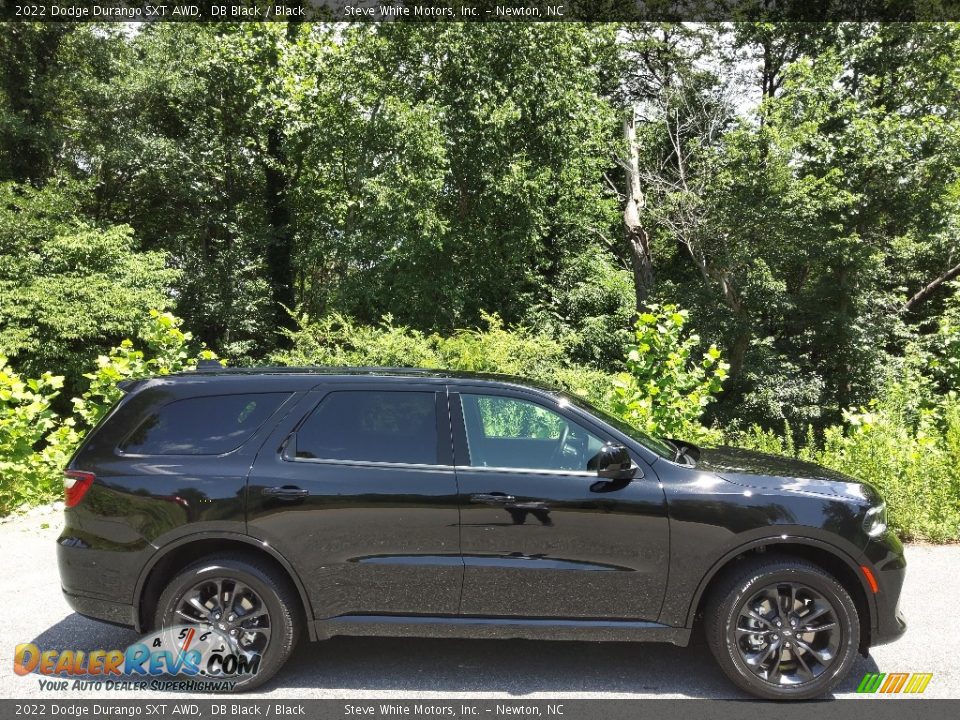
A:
x: 815, y: 661
x: 239, y: 573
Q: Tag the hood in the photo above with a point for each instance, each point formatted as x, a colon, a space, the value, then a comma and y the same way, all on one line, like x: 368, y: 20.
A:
x: 774, y: 472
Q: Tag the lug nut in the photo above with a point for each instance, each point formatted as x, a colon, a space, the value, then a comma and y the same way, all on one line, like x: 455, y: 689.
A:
x: 231, y: 618
x: 216, y: 616
x: 776, y: 637
x: 233, y: 632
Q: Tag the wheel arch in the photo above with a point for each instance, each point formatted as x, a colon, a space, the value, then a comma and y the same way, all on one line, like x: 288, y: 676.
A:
x: 177, y: 554
x: 829, y: 557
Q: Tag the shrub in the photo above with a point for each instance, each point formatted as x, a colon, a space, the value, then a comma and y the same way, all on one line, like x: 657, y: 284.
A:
x: 906, y: 443
x: 338, y: 341
x: 36, y: 443
x: 167, y: 349
x: 26, y: 475
x: 666, y: 387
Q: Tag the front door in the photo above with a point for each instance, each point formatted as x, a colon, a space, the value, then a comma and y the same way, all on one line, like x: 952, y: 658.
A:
x: 358, y: 491
x: 542, y: 535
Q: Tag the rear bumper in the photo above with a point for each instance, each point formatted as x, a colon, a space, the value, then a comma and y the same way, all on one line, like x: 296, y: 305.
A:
x: 102, y: 610
x: 92, y: 585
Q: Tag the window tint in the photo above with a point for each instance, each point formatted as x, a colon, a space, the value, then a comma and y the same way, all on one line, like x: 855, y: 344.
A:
x: 203, y: 425
x: 512, y: 433
x: 372, y: 426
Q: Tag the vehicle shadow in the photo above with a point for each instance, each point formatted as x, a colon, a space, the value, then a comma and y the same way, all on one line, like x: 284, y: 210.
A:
x: 377, y: 667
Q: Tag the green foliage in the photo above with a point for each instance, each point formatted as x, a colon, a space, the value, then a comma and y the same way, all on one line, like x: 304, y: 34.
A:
x: 36, y: 442
x: 339, y: 341
x: 68, y: 289
x: 664, y: 392
x: 906, y: 443
x: 666, y: 387
x: 25, y: 418
x: 166, y: 349
x: 152, y: 168
x: 942, y: 347
x: 480, y: 162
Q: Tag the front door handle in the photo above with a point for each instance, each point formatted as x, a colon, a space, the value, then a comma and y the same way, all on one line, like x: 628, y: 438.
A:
x: 492, y: 499
x: 287, y: 493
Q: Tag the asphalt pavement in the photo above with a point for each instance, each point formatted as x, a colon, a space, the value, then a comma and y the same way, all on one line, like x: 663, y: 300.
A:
x: 34, y: 611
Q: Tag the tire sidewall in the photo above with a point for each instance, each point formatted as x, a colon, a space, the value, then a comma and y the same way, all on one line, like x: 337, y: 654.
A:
x: 282, y: 635
x: 844, y: 609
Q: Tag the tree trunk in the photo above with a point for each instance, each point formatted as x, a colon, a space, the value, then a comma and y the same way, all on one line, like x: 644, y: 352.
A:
x: 635, y: 236
x: 280, y: 247
x: 279, y: 255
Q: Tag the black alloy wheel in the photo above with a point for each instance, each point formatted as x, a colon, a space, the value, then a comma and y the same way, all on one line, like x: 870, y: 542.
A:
x: 248, y: 601
x: 787, y: 634
x: 782, y: 628
x: 231, y: 607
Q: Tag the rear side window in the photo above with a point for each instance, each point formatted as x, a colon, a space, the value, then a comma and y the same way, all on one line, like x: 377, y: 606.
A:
x: 209, y: 425
x: 372, y: 426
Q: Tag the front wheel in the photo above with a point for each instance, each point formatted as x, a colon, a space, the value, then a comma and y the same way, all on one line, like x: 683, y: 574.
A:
x: 245, y: 610
x: 783, y: 629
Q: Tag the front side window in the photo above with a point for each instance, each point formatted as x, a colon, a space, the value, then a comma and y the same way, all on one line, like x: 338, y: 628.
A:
x: 209, y: 425
x: 506, y: 432
x: 372, y: 426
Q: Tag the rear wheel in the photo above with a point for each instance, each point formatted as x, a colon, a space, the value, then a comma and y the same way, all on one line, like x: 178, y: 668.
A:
x: 244, y: 601
x: 782, y: 628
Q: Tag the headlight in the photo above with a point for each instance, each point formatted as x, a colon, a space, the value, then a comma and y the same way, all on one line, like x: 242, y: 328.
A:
x: 875, y: 520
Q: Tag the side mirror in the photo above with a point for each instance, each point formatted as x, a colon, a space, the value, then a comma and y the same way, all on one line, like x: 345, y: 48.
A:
x: 614, y: 463
x: 688, y: 451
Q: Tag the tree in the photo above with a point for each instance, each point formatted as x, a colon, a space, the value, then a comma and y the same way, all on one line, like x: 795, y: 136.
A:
x: 478, y: 159
x: 68, y: 288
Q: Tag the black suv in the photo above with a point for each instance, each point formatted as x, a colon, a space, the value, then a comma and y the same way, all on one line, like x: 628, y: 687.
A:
x: 264, y: 504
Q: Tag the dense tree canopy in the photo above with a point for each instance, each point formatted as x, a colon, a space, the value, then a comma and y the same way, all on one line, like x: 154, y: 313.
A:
x: 796, y: 187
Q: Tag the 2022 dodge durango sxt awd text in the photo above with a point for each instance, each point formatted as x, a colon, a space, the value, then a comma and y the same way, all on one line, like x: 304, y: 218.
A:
x: 271, y: 503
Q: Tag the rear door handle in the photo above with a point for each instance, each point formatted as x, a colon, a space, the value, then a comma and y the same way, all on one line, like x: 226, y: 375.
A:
x: 492, y: 499
x: 287, y: 492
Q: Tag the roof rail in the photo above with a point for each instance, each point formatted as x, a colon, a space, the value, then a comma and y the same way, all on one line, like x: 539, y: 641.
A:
x: 209, y: 365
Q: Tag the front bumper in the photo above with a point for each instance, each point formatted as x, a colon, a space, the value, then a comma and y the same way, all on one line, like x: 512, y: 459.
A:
x: 884, y: 556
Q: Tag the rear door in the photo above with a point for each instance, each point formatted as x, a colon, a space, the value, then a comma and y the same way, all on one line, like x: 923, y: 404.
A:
x: 359, y: 492
x: 542, y: 535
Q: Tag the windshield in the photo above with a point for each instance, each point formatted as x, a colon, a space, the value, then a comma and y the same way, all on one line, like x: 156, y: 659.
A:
x: 651, y: 443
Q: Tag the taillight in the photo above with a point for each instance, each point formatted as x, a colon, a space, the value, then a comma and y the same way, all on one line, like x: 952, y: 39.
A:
x: 75, y: 485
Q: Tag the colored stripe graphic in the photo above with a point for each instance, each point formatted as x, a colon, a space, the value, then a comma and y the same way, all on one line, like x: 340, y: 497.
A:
x: 918, y: 682
x: 894, y: 683
x: 871, y: 682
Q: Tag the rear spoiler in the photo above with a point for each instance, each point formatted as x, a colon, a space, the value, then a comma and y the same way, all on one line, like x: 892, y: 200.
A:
x: 128, y: 385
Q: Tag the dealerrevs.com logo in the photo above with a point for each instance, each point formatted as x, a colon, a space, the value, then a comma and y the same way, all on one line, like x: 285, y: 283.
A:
x: 209, y: 660
x: 891, y: 683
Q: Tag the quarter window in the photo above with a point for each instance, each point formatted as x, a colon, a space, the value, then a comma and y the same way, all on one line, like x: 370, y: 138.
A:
x: 372, y: 426
x: 509, y: 432
x: 209, y: 425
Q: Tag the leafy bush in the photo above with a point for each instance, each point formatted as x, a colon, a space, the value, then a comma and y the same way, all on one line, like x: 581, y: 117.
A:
x: 338, y: 341
x: 36, y: 443
x: 664, y: 391
x: 25, y: 418
x: 906, y: 443
x: 67, y: 287
x: 942, y: 348
x: 166, y: 350
x: 667, y: 388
